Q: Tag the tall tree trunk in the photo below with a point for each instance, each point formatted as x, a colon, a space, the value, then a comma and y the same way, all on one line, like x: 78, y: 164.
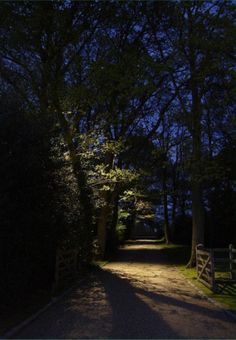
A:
x: 105, y: 211
x: 198, y: 222
x: 111, y: 240
x: 165, y: 203
x: 102, y: 225
x: 174, y: 194
x: 197, y: 203
x: 85, y: 194
x: 49, y: 95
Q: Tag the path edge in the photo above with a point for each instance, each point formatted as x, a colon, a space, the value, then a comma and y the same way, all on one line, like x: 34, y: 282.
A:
x: 216, y: 303
x: 30, y: 319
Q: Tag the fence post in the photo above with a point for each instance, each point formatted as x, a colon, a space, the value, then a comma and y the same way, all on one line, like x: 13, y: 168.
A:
x: 198, y: 247
x: 213, y: 284
x: 231, y: 260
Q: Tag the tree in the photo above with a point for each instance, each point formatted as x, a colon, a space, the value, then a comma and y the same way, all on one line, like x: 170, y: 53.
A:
x: 35, y: 48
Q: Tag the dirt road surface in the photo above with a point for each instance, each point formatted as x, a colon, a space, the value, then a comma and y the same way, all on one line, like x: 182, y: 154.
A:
x: 138, y: 296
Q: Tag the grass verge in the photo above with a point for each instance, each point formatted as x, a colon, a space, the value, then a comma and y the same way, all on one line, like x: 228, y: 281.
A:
x: 179, y: 255
x: 99, y: 263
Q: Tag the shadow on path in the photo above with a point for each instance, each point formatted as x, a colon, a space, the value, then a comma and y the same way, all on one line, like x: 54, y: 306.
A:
x: 131, y: 317
x: 154, y: 254
x: 110, y: 305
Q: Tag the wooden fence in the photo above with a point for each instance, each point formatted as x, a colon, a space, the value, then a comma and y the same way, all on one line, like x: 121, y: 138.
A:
x: 66, y: 268
x: 216, y: 266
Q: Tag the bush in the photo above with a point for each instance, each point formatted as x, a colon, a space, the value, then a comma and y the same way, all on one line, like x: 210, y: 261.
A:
x: 39, y: 204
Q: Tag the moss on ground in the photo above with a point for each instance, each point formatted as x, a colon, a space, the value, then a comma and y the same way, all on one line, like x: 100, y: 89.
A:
x: 226, y: 297
x: 178, y: 255
x: 99, y: 263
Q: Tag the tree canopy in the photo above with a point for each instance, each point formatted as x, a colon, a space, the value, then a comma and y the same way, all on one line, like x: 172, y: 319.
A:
x: 114, y: 114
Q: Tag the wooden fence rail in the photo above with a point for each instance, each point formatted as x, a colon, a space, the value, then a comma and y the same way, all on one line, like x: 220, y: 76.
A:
x: 65, y: 268
x: 211, y: 262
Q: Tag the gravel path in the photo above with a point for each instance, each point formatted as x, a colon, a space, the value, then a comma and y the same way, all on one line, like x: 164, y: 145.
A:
x: 138, y: 296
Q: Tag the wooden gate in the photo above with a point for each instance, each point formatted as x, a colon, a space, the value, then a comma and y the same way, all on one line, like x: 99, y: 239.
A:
x: 66, y: 267
x: 232, y: 261
x: 205, y: 266
x: 216, y: 267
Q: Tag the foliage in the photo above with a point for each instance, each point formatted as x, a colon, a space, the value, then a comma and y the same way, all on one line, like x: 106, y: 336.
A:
x: 39, y: 203
x: 112, y: 114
